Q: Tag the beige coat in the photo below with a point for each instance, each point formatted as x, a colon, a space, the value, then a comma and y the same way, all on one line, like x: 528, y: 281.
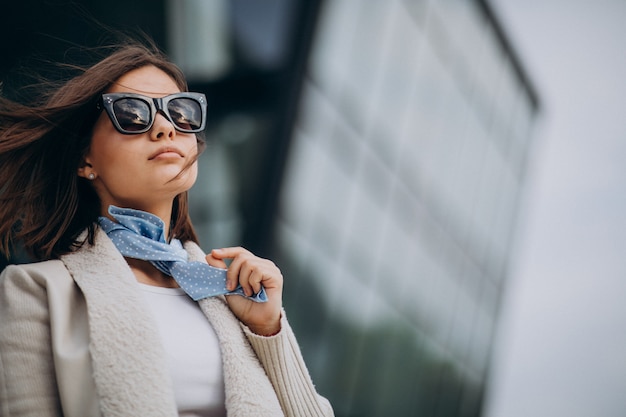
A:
x: 75, y: 341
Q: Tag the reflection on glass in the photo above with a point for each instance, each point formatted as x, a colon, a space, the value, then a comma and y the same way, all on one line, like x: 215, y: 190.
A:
x: 397, y: 211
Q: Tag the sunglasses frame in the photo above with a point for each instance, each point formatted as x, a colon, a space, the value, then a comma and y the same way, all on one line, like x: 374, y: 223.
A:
x: 156, y: 105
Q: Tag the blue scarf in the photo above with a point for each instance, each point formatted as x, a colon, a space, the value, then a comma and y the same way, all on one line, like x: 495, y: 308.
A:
x: 140, y: 235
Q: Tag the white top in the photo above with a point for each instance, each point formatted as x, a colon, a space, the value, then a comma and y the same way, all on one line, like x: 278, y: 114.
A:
x: 192, y: 349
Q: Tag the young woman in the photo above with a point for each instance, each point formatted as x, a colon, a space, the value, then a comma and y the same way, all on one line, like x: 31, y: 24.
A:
x: 115, y: 321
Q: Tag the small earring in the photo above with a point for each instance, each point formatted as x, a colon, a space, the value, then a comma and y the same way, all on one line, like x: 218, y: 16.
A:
x: 91, y: 176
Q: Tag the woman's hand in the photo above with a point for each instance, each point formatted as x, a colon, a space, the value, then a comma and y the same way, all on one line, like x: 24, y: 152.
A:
x: 251, y: 272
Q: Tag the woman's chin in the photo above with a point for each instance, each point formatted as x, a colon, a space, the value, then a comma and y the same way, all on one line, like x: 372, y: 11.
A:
x: 173, y: 176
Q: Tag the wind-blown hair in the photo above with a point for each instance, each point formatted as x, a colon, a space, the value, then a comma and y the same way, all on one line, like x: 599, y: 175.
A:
x: 44, y: 205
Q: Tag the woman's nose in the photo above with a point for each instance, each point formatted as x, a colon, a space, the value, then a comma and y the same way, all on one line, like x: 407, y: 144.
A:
x: 162, y: 128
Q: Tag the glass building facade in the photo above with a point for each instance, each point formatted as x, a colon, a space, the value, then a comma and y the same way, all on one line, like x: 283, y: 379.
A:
x: 375, y: 150
x: 399, y: 202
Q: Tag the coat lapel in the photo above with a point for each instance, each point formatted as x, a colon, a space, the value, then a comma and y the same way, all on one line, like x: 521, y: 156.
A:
x: 129, y: 365
x: 130, y: 369
x: 248, y: 390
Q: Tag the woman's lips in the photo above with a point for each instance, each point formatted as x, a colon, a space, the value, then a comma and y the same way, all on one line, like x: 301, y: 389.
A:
x: 167, y: 153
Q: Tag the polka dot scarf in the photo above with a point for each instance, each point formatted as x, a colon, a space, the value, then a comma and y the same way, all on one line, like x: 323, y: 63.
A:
x: 140, y: 235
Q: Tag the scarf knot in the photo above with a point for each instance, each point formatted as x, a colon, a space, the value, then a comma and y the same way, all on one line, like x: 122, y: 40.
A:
x: 141, y: 235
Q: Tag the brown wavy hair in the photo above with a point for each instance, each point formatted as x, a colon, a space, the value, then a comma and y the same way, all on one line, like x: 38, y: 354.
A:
x: 44, y: 205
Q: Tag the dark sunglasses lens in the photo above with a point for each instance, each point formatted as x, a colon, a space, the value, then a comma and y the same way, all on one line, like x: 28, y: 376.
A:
x: 132, y: 114
x: 186, y: 113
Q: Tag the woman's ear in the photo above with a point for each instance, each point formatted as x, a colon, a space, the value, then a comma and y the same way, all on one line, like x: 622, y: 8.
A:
x: 86, y: 171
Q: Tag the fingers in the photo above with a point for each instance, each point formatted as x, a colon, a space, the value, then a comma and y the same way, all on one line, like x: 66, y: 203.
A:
x: 247, y: 270
x: 252, y: 273
x: 233, y: 274
x: 216, y: 262
x: 250, y: 277
x: 254, y: 280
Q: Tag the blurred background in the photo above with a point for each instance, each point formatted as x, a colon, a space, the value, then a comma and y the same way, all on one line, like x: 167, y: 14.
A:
x: 423, y: 173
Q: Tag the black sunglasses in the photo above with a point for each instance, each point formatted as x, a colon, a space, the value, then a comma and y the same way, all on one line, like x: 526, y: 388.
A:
x: 133, y: 113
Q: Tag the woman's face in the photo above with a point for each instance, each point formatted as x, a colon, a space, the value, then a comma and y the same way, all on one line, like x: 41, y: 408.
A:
x: 143, y: 171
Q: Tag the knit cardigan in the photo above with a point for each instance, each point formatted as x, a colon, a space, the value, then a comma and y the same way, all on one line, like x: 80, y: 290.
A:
x: 75, y: 341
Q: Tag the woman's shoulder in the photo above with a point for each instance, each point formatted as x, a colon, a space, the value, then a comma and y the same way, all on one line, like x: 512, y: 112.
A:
x: 34, y: 267
x: 37, y: 271
x: 26, y: 264
x: 36, y: 280
x: 34, y: 277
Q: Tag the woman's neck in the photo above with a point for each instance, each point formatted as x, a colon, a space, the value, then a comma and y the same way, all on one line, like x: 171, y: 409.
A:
x: 146, y: 273
x: 162, y: 211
